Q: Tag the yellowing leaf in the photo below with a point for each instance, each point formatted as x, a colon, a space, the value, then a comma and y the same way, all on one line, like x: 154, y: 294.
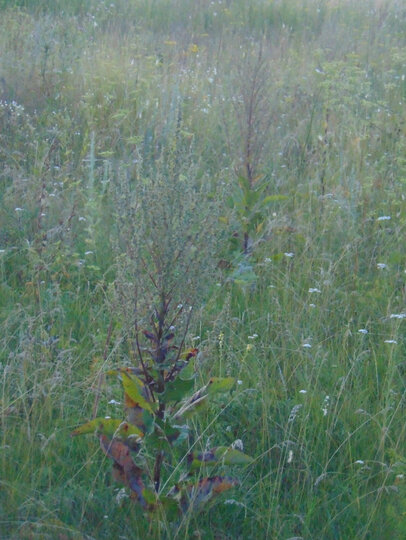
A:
x: 218, y: 455
x: 108, y: 426
x: 136, y: 391
x: 220, y: 384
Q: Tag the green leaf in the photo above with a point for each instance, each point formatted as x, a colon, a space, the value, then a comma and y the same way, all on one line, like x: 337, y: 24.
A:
x: 220, y: 384
x: 108, y: 426
x: 176, y: 390
x: 274, y: 198
x: 188, y: 372
x: 190, y: 408
x: 218, y: 455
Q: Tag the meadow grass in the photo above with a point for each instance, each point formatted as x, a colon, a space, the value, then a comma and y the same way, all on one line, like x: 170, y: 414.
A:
x: 99, y: 99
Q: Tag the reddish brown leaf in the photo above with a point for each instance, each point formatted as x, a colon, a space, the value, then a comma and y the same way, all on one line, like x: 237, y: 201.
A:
x: 197, y: 495
x: 124, y: 469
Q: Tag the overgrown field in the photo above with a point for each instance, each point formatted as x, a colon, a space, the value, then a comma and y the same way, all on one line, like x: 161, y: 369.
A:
x: 249, y: 157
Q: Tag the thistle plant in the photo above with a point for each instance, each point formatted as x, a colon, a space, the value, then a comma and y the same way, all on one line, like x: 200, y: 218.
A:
x: 154, y: 438
x: 160, y: 279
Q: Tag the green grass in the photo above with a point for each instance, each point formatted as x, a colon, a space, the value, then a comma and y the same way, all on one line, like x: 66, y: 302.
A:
x: 98, y: 100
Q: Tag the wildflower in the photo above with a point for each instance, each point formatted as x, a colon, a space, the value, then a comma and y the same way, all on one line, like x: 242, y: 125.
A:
x: 359, y: 462
x: 233, y: 501
x: 325, y: 405
x: 312, y: 305
x: 239, y: 382
x: 398, y: 316
x: 122, y: 494
x: 253, y: 336
x: 383, y: 218
x: 290, y: 456
x: 18, y: 209
x: 306, y: 346
x: 81, y: 218
x: 114, y: 402
x: 382, y: 266
x: 294, y: 412
x: 363, y: 331
x: 249, y: 347
x: 289, y: 254
x: 88, y: 252
x: 302, y: 391
x: 267, y: 260
x: 238, y: 445
x: 314, y: 290
x: 393, y: 341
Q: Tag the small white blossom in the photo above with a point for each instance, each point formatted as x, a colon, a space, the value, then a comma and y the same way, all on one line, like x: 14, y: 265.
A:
x: 289, y: 254
x: 312, y: 305
x: 114, y: 402
x: 325, y: 405
x: 391, y: 341
x: 314, y: 290
x: 254, y: 336
x: 18, y: 209
x: 290, y: 456
x: 302, y: 391
x: 239, y: 382
x: 306, y: 346
x: 383, y: 218
x: 359, y: 462
x: 233, y: 501
x: 238, y: 445
x: 122, y: 494
x: 398, y: 316
x: 363, y: 331
x: 382, y: 266
x: 88, y: 252
x: 294, y: 412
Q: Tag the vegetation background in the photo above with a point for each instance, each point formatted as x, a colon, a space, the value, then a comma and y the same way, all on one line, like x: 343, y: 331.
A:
x: 117, y: 116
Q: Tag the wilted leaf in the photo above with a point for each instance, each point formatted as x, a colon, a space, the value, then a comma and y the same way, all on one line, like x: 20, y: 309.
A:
x: 194, y: 496
x: 125, y: 470
x: 108, y: 426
